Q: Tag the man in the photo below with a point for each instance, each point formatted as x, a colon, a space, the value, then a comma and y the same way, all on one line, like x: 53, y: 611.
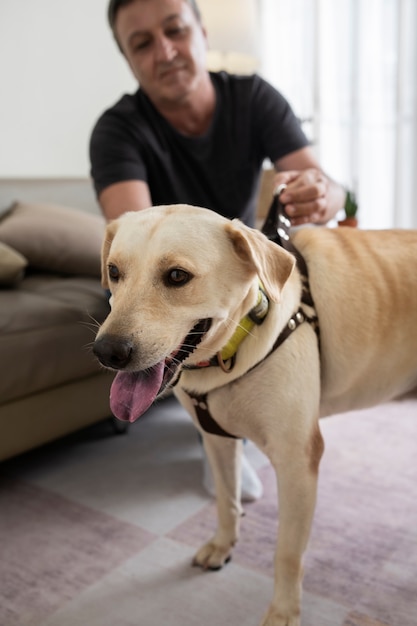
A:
x: 188, y: 136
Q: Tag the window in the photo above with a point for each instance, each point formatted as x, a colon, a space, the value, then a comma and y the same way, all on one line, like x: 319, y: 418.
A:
x: 349, y: 69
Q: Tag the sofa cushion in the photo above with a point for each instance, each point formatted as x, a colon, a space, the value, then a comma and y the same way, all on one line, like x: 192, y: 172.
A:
x: 12, y: 265
x: 55, y: 238
x: 47, y: 326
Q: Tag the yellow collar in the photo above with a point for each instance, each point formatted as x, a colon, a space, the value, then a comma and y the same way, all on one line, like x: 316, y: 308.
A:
x: 254, y: 317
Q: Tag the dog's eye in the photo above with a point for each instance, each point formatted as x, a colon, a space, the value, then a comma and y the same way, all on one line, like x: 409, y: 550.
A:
x: 114, y: 273
x: 178, y: 277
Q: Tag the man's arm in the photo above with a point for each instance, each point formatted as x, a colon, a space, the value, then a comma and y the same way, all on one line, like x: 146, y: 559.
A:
x: 310, y: 196
x: 130, y: 195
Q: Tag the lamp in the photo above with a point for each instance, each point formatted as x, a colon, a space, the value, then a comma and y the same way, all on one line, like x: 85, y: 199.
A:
x: 233, y: 33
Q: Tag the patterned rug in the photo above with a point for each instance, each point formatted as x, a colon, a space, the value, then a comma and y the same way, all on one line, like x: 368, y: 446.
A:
x: 99, y: 530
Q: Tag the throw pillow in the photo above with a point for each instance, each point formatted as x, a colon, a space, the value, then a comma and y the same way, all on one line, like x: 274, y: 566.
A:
x: 55, y: 238
x: 12, y: 266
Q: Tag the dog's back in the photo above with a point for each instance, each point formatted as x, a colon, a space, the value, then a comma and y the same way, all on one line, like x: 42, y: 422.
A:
x: 364, y: 284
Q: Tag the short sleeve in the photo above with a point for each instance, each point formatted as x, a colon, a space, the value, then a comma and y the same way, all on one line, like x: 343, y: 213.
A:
x: 274, y: 122
x: 115, y: 153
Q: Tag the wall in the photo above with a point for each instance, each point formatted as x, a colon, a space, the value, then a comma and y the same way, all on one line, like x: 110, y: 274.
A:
x: 59, y: 70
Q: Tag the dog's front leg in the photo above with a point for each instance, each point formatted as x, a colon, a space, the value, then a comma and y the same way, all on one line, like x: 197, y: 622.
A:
x: 224, y: 455
x: 297, y: 476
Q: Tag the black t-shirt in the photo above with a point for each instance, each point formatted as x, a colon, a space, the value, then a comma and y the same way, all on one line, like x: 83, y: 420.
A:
x: 220, y: 170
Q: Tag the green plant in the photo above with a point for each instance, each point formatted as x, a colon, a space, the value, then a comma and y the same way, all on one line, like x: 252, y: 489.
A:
x: 351, y: 206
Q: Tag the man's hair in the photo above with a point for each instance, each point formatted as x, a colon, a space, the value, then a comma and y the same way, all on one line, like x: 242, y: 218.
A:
x: 115, y: 5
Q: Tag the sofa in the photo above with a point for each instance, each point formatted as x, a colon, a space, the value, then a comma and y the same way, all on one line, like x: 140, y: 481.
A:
x: 51, y: 301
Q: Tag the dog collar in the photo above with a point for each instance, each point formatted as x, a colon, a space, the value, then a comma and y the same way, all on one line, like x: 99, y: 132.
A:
x: 255, y: 317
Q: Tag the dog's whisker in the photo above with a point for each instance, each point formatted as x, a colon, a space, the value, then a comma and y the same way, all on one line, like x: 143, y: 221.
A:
x: 88, y: 346
x: 94, y: 320
x: 239, y: 325
x: 94, y: 325
x: 192, y: 348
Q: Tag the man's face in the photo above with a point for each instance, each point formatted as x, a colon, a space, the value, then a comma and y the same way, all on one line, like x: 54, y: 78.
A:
x: 165, y: 46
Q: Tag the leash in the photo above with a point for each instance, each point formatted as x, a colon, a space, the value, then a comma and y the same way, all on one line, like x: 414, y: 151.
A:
x: 276, y: 227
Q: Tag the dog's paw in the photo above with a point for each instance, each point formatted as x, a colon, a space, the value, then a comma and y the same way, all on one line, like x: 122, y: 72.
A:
x: 212, y: 556
x: 277, y: 618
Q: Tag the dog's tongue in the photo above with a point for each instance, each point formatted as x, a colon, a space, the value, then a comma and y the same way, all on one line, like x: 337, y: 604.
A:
x: 133, y: 392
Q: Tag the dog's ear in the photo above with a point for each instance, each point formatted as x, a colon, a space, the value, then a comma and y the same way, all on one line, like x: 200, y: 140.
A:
x: 109, y: 234
x: 272, y: 263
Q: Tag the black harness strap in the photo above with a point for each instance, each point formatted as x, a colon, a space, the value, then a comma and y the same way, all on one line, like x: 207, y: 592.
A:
x: 207, y: 422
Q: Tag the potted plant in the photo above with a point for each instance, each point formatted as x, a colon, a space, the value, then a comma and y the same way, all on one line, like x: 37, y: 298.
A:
x: 351, y: 209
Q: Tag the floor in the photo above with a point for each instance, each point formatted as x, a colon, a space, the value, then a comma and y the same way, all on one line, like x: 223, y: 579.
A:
x: 100, y: 529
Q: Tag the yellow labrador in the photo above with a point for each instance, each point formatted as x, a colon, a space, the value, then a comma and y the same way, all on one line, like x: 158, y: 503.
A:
x: 201, y: 301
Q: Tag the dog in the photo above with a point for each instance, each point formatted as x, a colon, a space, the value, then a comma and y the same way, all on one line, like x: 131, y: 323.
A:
x: 215, y: 310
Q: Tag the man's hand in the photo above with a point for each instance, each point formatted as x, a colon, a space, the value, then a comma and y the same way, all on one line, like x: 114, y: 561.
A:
x: 309, y: 196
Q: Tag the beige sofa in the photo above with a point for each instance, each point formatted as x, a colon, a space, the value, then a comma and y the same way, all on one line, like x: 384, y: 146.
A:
x: 51, y: 301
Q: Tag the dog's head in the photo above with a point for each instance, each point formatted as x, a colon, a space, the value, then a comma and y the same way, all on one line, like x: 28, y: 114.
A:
x: 181, y: 278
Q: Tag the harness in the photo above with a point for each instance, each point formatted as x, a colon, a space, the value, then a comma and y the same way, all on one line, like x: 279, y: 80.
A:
x: 276, y: 227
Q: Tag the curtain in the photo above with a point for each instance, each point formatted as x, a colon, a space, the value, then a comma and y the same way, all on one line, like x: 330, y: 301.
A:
x: 349, y: 70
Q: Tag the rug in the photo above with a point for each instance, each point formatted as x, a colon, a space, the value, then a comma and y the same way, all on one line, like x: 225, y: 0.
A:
x: 100, y: 530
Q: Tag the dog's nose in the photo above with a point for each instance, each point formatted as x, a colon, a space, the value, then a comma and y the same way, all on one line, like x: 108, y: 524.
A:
x: 112, y: 351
